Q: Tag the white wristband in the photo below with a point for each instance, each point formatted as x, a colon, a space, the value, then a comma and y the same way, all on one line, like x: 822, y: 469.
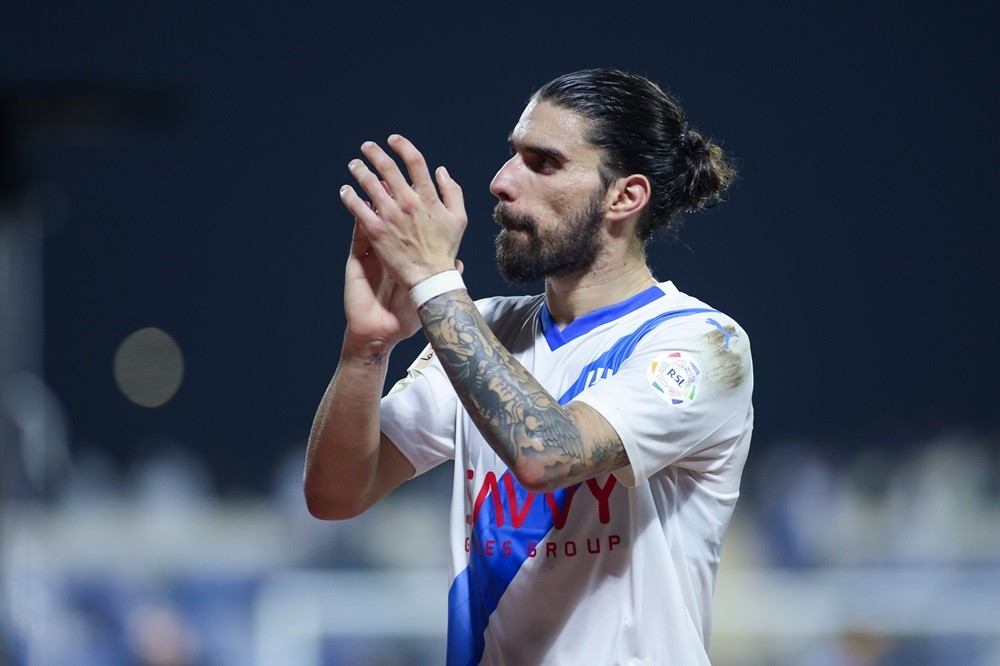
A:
x: 436, y: 285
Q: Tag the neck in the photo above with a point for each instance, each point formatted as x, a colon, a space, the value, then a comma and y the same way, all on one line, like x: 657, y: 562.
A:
x: 608, y: 282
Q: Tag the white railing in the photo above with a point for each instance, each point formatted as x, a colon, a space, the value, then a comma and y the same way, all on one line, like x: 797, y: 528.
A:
x: 784, y: 610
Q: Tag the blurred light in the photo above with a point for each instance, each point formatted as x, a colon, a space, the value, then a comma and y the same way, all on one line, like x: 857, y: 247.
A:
x: 38, y: 416
x: 149, y: 367
x: 160, y: 635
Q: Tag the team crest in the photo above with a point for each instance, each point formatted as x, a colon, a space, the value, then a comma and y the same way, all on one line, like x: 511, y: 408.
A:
x: 674, y: 376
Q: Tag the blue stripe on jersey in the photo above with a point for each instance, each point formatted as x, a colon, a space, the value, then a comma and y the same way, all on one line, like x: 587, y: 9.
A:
x: 609, y: 362
x: 592, y: 320
x: 476, y: 591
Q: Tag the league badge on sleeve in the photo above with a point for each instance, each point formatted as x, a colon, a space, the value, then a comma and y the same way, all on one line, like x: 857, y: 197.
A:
x: 674, y: 376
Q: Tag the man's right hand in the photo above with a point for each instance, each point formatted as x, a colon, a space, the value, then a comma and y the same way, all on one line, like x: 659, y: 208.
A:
x: 349, y: 463
x: 378, y: 310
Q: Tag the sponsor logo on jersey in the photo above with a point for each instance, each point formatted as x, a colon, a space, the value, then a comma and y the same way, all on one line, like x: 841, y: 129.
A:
x: 510, y: 530
x: 675, y: 377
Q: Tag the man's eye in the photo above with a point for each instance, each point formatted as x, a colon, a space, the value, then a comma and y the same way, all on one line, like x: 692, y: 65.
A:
x: 543, y: 163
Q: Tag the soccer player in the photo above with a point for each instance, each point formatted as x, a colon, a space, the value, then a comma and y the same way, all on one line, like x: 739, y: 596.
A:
x: 599, y: 430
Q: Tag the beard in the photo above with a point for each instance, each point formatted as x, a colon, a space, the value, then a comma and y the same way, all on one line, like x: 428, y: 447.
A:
x: 524, y: 254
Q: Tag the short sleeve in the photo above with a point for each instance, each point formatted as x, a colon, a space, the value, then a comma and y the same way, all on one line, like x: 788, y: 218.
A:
x: 418, y: 414
x: 683, y: 398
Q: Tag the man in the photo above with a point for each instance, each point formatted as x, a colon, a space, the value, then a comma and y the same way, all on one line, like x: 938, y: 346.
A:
x: 598, y: 431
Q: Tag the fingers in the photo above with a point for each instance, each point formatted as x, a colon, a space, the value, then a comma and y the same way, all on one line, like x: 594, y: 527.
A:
x: 393, y: 180
x: 378, y: 192
x: 451, y: 192
x: 389, y: 190
x: 385, y: 165
x: 362, y: 211
x: 416, y: 166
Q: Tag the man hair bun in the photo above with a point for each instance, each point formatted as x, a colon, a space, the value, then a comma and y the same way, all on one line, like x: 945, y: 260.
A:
x: 640, y: 128
x: 708, y: 173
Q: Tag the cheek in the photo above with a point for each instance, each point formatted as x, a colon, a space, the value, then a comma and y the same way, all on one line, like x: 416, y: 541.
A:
x: 562, y: 203
x: 565, y: 199
x: 577, y: 189
x: 557, y: 197
x: 571, y: 206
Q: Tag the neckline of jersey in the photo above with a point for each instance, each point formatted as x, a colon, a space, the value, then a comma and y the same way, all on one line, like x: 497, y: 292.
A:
x: 588, y: 322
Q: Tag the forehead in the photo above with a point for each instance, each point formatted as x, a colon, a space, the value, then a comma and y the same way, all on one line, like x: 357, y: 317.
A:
x: 545, y: 125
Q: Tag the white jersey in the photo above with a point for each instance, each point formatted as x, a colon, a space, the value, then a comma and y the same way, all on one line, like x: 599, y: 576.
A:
x: 619, y: 569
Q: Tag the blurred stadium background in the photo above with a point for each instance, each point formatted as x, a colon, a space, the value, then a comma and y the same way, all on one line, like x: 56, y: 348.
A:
x: 171, y: 248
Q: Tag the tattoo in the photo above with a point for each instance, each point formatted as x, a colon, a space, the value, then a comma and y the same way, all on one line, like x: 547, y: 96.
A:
x: 375, y: 359
x: 515, y: 415
x: 611, y: 452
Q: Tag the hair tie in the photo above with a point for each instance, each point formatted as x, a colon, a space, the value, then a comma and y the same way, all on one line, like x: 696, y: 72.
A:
x: 691, y: 140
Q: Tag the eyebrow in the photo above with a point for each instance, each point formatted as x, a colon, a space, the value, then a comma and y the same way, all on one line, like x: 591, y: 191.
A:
x: 536, y: 149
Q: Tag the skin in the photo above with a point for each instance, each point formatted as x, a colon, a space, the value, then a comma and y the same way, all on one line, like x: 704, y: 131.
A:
x: 408, y: 233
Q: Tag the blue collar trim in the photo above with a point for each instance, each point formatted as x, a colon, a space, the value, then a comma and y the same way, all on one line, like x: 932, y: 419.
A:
x: 592, y: 320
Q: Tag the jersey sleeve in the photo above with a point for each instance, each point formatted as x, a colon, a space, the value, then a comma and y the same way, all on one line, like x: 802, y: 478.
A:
x: 419, y: 413
x: 683, y: 398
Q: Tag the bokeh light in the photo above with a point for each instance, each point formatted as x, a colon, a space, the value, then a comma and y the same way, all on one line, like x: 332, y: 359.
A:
x: 149, y: 367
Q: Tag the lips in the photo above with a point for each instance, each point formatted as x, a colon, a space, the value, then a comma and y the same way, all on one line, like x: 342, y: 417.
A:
x: 512, y: 221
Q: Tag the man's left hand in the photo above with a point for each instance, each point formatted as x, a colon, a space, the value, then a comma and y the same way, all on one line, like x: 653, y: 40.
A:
x: 414, y: 232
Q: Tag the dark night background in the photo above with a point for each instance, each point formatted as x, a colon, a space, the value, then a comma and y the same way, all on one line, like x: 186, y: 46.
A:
x: 859, y: 247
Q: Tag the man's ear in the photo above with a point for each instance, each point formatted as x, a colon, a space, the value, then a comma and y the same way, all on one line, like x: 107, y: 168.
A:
x: 627, y: 196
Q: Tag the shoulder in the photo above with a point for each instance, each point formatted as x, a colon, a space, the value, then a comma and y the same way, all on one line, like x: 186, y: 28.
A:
x: 690, y: 316
x: 700, y: 340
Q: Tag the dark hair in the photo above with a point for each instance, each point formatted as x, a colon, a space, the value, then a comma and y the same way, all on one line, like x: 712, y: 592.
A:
x: 641, y: 129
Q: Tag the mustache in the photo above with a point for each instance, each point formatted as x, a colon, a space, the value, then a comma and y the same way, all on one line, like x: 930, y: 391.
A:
x: 505, y: 218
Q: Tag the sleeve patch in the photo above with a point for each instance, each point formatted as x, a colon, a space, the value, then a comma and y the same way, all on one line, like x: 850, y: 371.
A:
x: 674, y: 377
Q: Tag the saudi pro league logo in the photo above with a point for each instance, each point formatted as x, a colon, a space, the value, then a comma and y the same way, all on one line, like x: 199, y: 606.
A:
x: 674, y: 376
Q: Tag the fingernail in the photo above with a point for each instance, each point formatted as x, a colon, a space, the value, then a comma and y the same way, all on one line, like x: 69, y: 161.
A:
x: 444, y: 172
x: 343, y: 190
x: 393, y: 137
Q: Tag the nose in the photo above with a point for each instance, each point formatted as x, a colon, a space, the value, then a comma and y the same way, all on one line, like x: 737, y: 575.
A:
x: 502, y: 185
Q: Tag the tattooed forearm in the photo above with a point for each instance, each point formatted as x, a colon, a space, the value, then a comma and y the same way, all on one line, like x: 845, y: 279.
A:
x: 516, y: 416
x: 611, y: 452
